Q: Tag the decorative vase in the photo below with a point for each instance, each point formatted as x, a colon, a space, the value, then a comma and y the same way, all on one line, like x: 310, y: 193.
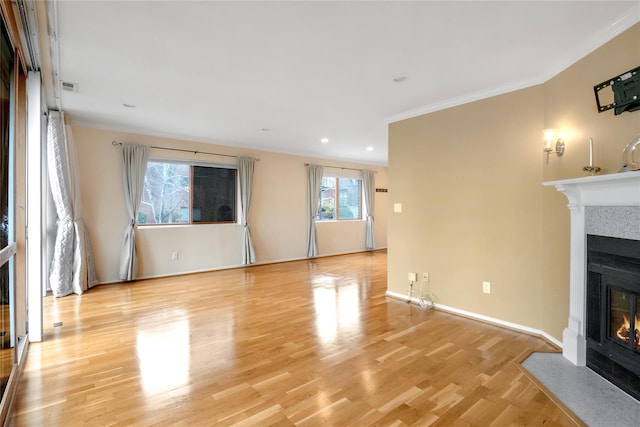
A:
x: 628, y: 161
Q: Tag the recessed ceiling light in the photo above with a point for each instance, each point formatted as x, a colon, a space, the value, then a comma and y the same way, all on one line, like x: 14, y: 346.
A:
x: 129, y: 105
x: 324, y: 140
x: 369, y: 148
x: 399, y: 79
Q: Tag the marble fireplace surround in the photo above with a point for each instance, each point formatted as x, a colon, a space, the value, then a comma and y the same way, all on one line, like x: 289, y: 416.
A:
x: 607, y: 205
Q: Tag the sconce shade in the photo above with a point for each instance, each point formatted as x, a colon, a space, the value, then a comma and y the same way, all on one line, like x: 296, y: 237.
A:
x: 549, y: 135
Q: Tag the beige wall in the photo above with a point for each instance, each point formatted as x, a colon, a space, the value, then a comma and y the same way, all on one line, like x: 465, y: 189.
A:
x: 277, y: 215
x: 570, y: 107
x: 469, y: 181
x: 474, y: 209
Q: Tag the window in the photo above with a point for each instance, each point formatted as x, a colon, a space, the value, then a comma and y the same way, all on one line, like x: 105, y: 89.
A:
x: 179, y: 193
x: 348, y: 194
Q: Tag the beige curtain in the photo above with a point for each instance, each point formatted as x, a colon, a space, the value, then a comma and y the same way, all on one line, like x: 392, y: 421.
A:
x: 134, y: 167
x: 314, y: 181
x: 72, y: 266
x: 369, y: 189
x: 245, y: 174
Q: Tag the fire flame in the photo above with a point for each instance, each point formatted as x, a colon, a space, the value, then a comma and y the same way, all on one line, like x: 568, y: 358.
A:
x: 624, y: 330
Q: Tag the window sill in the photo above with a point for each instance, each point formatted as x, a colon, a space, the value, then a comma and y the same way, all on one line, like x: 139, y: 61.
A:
x: 165, y: 226
x: 331, y: 221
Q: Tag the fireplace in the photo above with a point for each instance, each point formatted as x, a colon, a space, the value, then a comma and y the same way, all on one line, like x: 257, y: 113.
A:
x: 613, y: 310
x: 605, y: 205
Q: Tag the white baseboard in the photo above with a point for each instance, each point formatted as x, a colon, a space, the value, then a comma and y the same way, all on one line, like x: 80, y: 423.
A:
x: 481, y: 317
x: 230, y: 267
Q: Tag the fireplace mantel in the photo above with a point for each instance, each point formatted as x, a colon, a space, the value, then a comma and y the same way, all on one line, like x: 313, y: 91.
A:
x: 622, y: 189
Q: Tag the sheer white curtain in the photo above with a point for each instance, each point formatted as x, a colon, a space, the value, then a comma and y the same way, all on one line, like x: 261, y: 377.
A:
x: 369, y: 187
x: 72, y: 266
x: 314, y: 181
x: 245, y: 174
x: 134, y: 162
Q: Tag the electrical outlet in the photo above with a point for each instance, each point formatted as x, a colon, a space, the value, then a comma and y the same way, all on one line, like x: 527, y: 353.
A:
x: 425, y: 277
x: 174, y: 256
x: 413, y: 277
x: 486, y: 287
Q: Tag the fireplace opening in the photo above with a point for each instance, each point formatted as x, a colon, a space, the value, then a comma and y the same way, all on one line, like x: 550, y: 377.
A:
x: 613, y: 310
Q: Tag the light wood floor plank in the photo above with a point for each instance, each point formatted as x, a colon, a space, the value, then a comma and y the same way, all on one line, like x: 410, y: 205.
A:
x: 312, y: 342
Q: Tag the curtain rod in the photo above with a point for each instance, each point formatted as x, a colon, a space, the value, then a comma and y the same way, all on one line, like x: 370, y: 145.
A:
x: 341, y: 167
x: 115, y: 144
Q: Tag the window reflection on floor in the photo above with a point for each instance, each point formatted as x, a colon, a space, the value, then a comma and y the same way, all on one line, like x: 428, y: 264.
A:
x: 163, y: 355
x: 337, y: 307
x: 219, y: 329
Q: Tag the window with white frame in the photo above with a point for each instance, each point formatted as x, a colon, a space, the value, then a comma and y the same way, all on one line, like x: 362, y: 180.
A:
x: 340, y: 199
x: 182, y: 193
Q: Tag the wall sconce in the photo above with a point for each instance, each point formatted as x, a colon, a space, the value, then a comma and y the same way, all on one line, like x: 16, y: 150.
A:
x: 549, y: 135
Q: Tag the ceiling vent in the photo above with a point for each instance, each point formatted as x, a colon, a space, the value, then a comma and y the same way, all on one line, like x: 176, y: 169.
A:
x: 69, y: 87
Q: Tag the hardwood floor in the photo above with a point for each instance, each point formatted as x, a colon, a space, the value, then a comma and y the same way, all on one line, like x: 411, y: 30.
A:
x: 299, y: 343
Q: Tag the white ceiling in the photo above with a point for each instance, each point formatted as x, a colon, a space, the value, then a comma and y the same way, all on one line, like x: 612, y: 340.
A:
x: 279, y: 76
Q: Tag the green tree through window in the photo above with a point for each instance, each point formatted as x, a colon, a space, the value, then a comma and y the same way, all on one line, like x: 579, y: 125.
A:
x: 340, y: 198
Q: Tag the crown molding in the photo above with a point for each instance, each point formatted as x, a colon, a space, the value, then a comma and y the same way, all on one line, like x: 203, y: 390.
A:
x: 623, y: 23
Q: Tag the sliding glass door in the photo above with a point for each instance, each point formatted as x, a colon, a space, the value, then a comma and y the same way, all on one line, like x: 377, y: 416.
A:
x: 7, y: 238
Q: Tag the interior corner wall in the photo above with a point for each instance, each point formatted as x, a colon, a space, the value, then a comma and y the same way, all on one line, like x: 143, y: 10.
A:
x: 570, y: 108
x: 469, y: 179
x: 277, y: 217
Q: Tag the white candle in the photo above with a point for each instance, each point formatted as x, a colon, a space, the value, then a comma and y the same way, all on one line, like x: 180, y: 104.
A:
x: 591, y: 152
